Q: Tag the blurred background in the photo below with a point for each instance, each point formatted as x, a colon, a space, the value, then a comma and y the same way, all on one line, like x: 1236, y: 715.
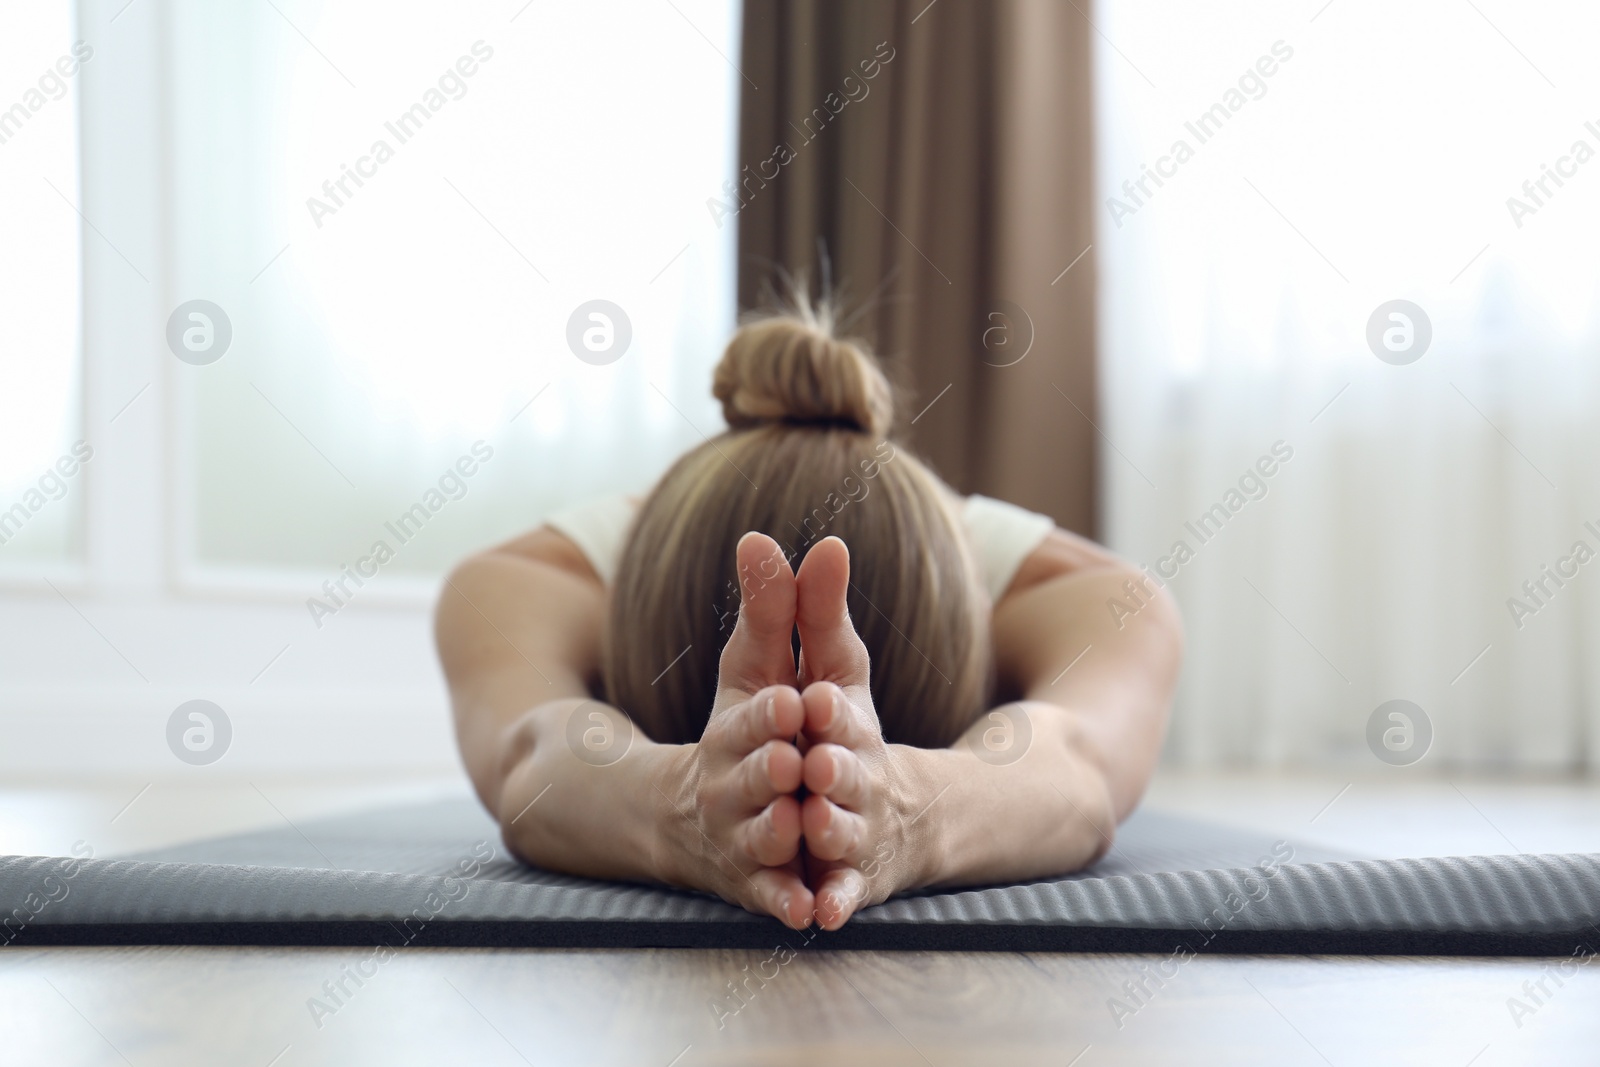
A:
x: 285, y: 280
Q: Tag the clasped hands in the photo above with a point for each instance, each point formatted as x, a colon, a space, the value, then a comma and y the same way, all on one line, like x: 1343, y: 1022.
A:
x: 794, y: 804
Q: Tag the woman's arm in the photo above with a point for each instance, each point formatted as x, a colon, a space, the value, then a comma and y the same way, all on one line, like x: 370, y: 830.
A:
x: 1093, y: 687
x: 518, y: 630
x: 516, y: 626
x: 1073, y: 604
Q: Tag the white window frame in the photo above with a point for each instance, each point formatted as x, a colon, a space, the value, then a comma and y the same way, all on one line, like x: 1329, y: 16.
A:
x: 107, y: 646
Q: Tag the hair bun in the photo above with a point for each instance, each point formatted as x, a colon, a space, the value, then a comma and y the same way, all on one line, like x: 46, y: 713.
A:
x: 790, y: 368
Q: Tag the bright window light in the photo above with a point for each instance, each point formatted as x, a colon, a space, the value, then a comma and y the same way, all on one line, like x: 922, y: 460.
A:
x: 402, y: 220
x: 40, y: 399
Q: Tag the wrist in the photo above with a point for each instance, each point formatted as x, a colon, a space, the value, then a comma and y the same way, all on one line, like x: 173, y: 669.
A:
x: 664, y: 777
x: 922, y: 790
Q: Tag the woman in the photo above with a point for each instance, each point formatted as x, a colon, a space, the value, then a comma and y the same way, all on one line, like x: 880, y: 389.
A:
x: 847, y: 682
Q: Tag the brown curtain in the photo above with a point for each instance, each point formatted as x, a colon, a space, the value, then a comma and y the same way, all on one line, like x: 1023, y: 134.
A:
x: 940, y: 157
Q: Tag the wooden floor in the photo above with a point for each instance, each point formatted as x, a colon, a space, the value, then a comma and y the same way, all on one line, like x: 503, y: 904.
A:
x: 249, y: 1007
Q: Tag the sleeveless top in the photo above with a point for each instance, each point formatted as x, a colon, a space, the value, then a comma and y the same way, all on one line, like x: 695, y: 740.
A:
x: 1001, y: 535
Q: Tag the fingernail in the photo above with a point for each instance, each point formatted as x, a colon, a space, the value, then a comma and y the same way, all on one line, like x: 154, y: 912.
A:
x: 772, y: 710
x: 783, y: 906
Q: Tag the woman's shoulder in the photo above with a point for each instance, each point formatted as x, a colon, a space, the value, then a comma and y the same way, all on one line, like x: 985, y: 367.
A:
x: 1002, y: 537
x: 597, y: 528
x: 583, y: 539
x: 991, y: 518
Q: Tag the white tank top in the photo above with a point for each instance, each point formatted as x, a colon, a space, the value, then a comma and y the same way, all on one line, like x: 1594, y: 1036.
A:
x: 1001, y: 535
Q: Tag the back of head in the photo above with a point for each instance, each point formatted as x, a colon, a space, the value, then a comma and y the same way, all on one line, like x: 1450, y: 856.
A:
x: 806, y: 456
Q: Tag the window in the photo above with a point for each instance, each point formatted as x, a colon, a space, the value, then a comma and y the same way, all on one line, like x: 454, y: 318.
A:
x: 1273, y: 181
x: 399, y: 223
x: 41, y: 497
x: 282, y: 365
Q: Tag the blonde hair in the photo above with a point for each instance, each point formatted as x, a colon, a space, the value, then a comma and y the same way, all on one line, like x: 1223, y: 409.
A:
x: 806, y: 456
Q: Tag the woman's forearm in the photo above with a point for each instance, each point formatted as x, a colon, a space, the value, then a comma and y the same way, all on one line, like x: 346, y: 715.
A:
x: 1106, y: 644
x: 1004, y: 816
x: 1037, y: 786
x: 584, y: 810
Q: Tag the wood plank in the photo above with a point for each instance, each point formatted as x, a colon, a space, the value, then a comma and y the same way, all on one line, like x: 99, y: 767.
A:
x: 655, y: 1007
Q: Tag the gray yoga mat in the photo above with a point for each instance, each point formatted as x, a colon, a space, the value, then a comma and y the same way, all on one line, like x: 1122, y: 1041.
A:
x: 437, y: 874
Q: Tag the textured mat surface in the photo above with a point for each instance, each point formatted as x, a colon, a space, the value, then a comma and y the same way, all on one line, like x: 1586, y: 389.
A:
x: 437, y: 875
